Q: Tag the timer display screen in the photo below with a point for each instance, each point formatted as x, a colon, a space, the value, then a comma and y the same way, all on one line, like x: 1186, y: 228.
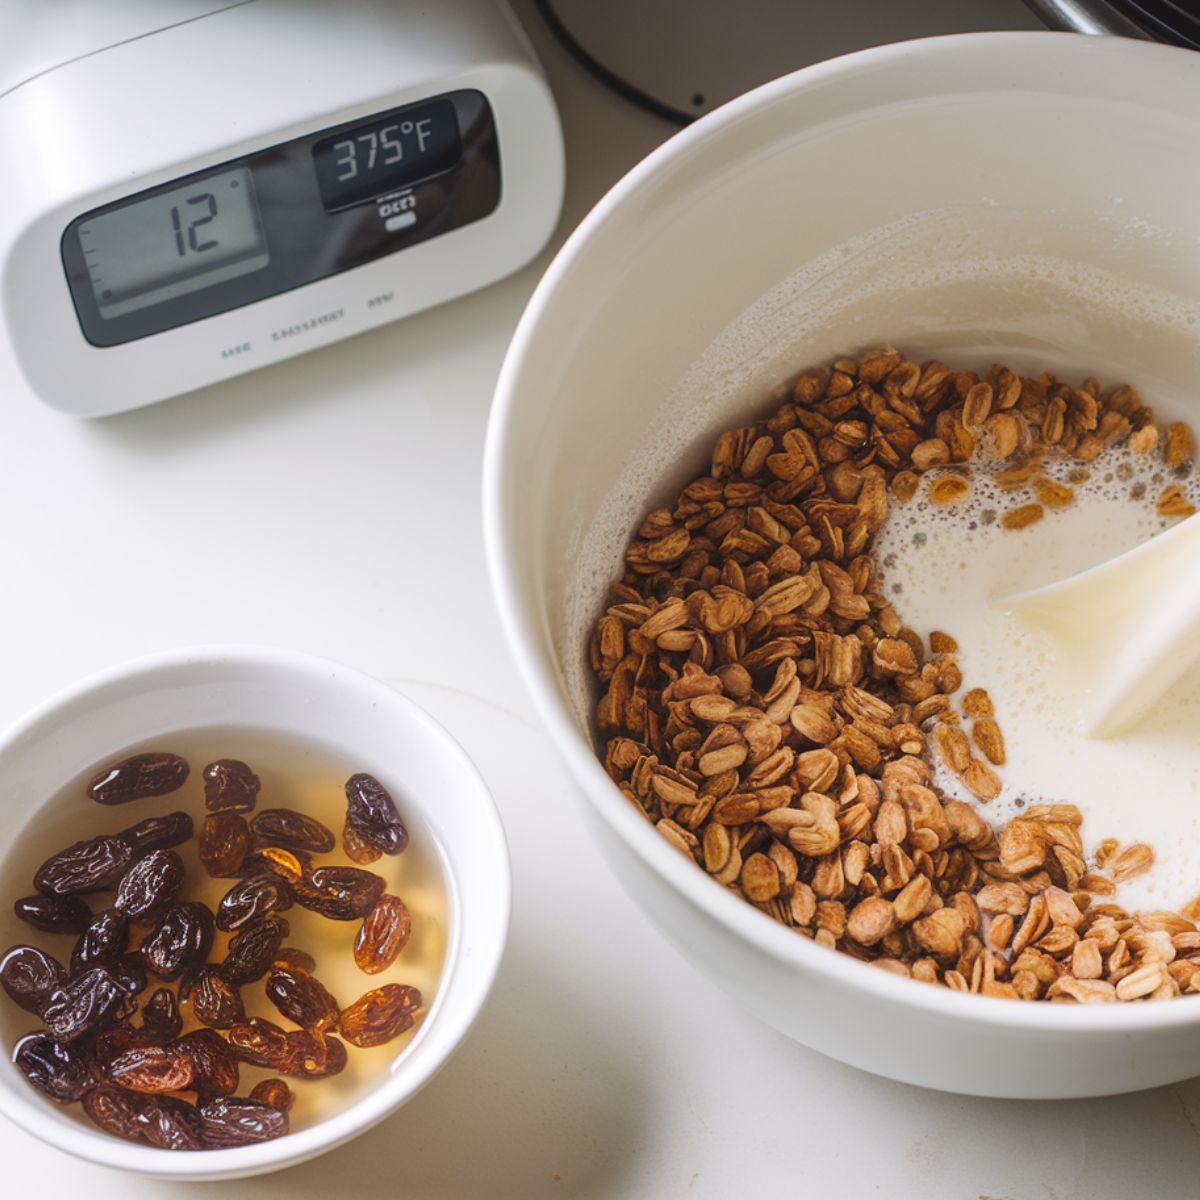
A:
x: 388, y: 153
x: 173, y: 242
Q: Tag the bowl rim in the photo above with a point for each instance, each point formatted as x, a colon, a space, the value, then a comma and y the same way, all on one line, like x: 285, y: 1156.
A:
x: 34, y: 1113
x: 524, y: 633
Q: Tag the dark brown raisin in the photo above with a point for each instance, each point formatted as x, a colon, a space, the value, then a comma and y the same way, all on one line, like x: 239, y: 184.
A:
x: 85, y: 1004
x: 233, y: 1121
x: 340, y: 893
x: 215, y: 1000
x: 224, y: 841
x: 274, y: 1092
x: 253, y: 898
x: 230, y: 786
x: 102, y: 943
x: 30, y: 976
x: 289, y: 865
x: 262, y: 1044
x: 130, y: 972
x: 315, y: 1055
x: 160, y: 1016
x: 154, y: 1069
x: 215, y: 1062
x: 138, y: 776
x: 356, y: 849
x: 383, y: 934
x: 54, y: 914
x: 371, y: 814
x: 380, y: 1014
x: 150, y: 885
x: 292, y: 830
x: 110, y: 1044
x: 116, y: 1111
x: 180, y: 941
x: 157, y: 833
x: 62, y: 1072
x: 295, y: 959
x: 88, y: 866
x: 302, y: 998
x: 252, y: 952
x: 171, y: 1124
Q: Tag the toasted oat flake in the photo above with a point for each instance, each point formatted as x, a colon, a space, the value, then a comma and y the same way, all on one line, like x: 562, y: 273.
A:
x: 948, y: 489
x: 1022, y: 517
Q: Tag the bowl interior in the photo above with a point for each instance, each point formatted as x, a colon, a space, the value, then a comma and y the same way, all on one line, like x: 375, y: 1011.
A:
x: 304, y: 719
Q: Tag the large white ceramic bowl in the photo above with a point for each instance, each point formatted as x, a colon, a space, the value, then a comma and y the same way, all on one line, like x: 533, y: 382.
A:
x: 1026, y: 197
x: 442, y: 798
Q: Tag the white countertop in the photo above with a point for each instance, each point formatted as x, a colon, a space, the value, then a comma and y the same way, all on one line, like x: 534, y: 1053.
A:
x: 331, y: 505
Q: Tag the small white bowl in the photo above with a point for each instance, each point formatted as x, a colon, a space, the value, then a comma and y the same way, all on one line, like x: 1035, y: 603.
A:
x: 438, y: 789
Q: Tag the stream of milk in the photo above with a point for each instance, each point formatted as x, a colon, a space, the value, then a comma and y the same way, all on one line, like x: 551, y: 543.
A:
x: 943, y: 567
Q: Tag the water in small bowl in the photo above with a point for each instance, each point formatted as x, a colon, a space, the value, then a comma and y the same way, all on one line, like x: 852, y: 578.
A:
x: 301, y: 774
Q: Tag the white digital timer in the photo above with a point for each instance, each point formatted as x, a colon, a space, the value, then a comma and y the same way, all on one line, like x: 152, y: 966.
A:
x: 196, y: 188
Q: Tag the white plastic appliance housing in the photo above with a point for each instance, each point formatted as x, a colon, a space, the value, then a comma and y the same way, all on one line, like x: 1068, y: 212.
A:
x: 99, y: 101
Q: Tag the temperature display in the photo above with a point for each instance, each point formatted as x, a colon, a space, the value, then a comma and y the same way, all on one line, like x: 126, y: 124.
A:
x: 392, y: 152
x: 173, y: 242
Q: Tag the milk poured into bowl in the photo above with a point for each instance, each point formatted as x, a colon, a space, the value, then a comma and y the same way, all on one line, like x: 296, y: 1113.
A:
x: 942, y: 568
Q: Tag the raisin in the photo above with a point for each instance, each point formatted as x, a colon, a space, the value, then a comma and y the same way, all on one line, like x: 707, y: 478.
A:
x: 289, y: 865
x: 214, y: 999
x: 252, y: 952
x: 234, y: 1121
x: 384, y: 933
x: 54, y: 914
x: 85, y: 1004
x: 88, y: 866
x: 262, y: 1044
x: 340, y: 893
x: 150, y: 885
x: 180, y: 941
x: 160, y: 1016
x: 224, y: 841
x: 295, y: 959
x: 30, y: 976
x: 138, y: 776
x: 356, y: 849
x: 315, y: 1055
x: 110, y: 1044
x: 116, y: 1111
x: 253, y: 898
x: 171, y: 1124
x: 275, y: 1093
x: 230, y: 786
x: 292, y: 830
x: 371, y: 814
x: 130, y: 973
x: 216, y: 1065
x: 154, y: 1069
x: 62, y: 1072
x: 302, y: 998
x: 380, y: 1014
x: 102, y: 943
x: 157, y: 833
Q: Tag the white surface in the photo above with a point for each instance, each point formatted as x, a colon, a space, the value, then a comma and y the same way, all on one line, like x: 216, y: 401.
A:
x: 89, y: 133
x: 305, y: 700
x: 332, y: 505
x: 966, y: 269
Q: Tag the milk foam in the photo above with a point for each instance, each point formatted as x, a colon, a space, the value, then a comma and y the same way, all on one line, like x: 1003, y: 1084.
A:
x: 943, y: 566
